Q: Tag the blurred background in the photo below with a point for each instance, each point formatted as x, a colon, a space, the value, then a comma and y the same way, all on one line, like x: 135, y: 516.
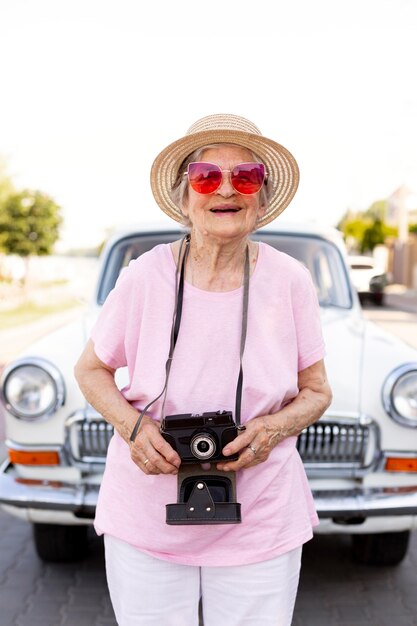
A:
x: 92, y: 90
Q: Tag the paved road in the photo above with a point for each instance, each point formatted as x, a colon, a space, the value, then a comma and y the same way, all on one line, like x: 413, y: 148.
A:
x: 398, y: 316
x: 334, y: 591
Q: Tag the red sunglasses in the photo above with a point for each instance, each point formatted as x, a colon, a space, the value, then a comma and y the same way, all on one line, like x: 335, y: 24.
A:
x: 246, y: 178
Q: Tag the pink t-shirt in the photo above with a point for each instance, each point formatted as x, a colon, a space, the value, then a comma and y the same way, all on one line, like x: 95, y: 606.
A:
x: 283, y: 337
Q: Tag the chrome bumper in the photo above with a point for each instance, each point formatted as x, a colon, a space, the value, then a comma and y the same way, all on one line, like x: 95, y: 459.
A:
x: 81, y: 499
x: 49, y: 495
x: 349, y: 504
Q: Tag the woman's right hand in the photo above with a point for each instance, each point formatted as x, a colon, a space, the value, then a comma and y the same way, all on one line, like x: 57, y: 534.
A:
x: 151, y: 453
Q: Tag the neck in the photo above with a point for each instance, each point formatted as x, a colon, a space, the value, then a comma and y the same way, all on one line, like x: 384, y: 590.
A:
x: 215, y: 265
x: 216, y: 255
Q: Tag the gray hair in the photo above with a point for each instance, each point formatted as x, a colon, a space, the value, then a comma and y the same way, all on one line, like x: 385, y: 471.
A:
x: 179, y: 191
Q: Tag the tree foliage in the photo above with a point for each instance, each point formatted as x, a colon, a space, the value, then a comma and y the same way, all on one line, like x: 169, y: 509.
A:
x: 373, y: 235
x: 29, y: 223
x: 378, y: 210
x: 367, y: 229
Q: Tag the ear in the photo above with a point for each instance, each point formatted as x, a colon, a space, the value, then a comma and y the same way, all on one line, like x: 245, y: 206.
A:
x: 184, y: 208
x: 261, y: 211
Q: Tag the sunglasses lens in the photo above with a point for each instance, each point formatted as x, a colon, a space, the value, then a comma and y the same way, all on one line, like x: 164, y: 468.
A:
x: 204, y: 177
x: 248, y: 178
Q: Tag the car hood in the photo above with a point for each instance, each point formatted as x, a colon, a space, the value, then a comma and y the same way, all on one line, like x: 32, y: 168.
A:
x: 343, y: 332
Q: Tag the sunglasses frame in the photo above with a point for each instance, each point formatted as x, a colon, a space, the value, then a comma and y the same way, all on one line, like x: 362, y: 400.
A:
x: 229, y: 171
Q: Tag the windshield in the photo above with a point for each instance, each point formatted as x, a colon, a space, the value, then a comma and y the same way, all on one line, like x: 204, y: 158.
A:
x: 321, y: 257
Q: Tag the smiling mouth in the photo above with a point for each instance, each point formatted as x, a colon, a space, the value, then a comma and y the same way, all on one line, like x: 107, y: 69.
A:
x: 225, y: 210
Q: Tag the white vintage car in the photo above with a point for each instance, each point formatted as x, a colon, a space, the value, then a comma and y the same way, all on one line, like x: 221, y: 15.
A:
x: 361, y: 457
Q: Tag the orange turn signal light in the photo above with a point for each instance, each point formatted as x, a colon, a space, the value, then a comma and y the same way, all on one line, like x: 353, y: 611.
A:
x: 397, y: 464
x: 34, y: 457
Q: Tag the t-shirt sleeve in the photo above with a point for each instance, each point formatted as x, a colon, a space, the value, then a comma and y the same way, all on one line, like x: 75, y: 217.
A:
x: 306, y: 309
x: 109, y: 331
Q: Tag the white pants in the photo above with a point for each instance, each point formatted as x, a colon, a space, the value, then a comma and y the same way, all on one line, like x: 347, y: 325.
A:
x: 147, y: 592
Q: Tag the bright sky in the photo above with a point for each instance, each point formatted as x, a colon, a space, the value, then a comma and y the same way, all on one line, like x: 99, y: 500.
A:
x: 92, y: 90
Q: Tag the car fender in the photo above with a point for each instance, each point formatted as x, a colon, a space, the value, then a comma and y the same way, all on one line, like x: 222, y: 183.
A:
x: 383, y: 352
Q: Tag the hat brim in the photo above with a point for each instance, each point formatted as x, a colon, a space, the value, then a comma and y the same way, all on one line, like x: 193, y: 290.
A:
x: 280, y: 165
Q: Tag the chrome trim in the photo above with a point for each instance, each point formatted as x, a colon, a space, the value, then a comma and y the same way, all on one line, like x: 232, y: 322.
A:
x: 99, y: 437
x: 350, y: 416
x: 401, y: 454
x: 81, y: 499
x: 51, y: 370
x: 387, y: 389
x: 352, y: 504
x: 354, y: 454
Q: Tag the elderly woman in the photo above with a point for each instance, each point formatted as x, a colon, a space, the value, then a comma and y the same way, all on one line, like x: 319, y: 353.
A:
x: 212, y: 313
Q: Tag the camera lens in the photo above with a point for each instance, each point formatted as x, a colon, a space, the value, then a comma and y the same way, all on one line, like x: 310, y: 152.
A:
x: 203, y: 446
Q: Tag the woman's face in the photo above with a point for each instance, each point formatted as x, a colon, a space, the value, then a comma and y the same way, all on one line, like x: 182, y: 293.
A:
x: 224, y: 214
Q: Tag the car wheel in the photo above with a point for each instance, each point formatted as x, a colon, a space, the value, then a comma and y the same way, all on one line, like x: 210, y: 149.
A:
x: 378, y: 299
x: 58, y: 543
x: 381, y: 548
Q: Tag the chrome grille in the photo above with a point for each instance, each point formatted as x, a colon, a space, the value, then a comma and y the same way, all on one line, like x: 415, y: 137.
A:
x: 338, y: 445
x: 88, y: 439
x: 330, y: 447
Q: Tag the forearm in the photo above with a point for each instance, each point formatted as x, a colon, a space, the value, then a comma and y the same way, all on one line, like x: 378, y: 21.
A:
x: 306, y: 408
x: 100, y: 390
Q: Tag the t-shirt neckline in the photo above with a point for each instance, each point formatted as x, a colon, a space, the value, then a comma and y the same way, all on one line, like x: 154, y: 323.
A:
x: 189, y: 287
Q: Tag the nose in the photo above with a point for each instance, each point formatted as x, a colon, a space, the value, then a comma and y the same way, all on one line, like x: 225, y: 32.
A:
x: 226, y: 188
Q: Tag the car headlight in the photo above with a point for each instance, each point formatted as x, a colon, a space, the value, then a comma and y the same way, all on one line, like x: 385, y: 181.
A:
x: 32, y: 388
x: 399, y: 395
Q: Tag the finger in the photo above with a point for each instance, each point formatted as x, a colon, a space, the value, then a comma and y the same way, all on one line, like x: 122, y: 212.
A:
x: 158, y: 463
x: 148, y: 468
x: 165, y: 450
x: 150, y: 462
x: 147, y: 458
x: 238, y: 444
x: 151, y: 432
x: 152, y: 448
x: 246, y: 459
x: 157, y: 450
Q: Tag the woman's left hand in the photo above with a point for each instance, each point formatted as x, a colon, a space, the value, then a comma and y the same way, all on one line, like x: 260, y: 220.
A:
x: 263, y: 433
x: 254, y: 444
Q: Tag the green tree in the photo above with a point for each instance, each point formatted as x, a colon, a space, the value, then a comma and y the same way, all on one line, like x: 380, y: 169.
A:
x: 373, y: 235
x: 367, y: 228
x: 377, y: 210
x: 356, y: 228
x: 29, y: 223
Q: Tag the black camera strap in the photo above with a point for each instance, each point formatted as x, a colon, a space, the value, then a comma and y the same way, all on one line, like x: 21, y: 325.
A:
x: 238, y: 403
x: 179, y: 294
x: 179, y: 297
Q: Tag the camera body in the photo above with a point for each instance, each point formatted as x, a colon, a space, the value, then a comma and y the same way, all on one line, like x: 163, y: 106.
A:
x: 200, y: 437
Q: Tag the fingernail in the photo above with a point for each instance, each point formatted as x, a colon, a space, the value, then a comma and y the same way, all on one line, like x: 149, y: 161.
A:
x: 225, y: 468
x: 226, y: 451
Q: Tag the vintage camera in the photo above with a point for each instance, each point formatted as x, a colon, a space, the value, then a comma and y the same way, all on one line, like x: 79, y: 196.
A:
x: 200, y: 437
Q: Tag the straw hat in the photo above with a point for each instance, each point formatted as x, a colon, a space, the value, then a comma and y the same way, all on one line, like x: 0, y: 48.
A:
x: 280, y: 165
